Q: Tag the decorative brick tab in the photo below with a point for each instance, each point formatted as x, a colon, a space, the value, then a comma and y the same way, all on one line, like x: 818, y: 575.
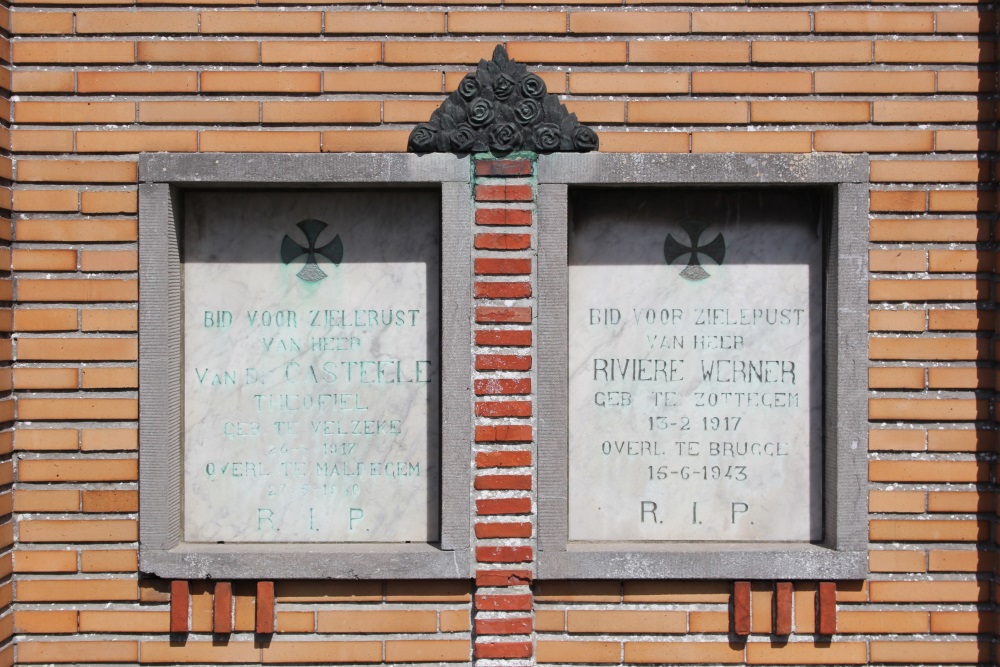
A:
x: 741, y: 608
x: 180, y: 601
x: 827, y: 608
x: 264, y: 624
x: 783, y: 608
x: 222, y: 608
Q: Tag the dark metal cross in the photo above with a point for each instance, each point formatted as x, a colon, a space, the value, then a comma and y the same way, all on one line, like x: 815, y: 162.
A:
x: 714, y: 250
x: 290, y: 250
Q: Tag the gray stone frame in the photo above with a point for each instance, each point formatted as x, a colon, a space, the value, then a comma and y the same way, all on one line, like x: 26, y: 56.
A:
x: 843, y: 552
x: 162, y: 551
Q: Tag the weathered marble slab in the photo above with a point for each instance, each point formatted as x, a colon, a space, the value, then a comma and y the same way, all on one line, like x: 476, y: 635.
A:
x: 695, y: 389
x: 311, y: 388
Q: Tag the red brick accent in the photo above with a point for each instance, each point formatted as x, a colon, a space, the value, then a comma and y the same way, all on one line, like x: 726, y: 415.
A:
x: 502, y: 290
x: 502, y: 386
x: 827, y: 608
x: 502, y: 362
x: 487, y: 602
x: 504, y: 482
x: 502, y: 241
x: 503, y: 459
x: 783, y: 608
x: 504, y: 409
x: 503, y: 650
x: 503, y: 168
x: 741, y: 608
x: 502, y: 529
x: 502, y: 267
x: 264, y: 621
x: 514, y: 217
x: 222, y: 608
x: 180, y: 601
x: 490, y: 506
x: 502, y: 338
x: 504, y: 193
x: 499, y: 315
x: 504, y: 433
x: 504, y: 626
x: 503, y: 577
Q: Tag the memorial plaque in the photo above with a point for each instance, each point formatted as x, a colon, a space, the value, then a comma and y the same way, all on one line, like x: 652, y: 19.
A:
x: 311, y: 366
x: 695, y: 365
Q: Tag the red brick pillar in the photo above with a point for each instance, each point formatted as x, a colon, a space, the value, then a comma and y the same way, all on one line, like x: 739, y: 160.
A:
x: 504, y: 266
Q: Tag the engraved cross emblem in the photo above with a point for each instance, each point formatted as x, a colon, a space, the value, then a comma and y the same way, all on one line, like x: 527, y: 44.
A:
x: 674, y: 250
x: 290, y: 250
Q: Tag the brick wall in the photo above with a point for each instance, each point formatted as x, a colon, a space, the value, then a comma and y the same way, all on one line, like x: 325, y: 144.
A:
x: 92, y: 84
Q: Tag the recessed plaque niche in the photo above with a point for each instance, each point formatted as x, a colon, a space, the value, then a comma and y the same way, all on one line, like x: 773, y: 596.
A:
x: 695, y: 365
x: 311, y: 366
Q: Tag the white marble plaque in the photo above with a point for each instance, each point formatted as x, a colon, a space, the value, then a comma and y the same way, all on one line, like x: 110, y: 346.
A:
x: 695, y: 386
x: 311, y: 366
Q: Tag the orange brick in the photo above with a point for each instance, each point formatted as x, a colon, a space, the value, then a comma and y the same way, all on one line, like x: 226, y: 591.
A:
x: 928, y: 290
x: 567, y: 52
x: 627, y: 622
x: 689, y: 52
x: 342, y: 651
x: 550, y: 620
x: 437, y: 53
x: 46, y: 439
x: 506, y: 22
x: 42, y: 23
x: 46, y: 622
x: 708, y: 621
x: 590, y: 111
x: 895, y: 378
x: 810, y: 52
x: 927, y: 410
x: 77, y: 290
x: 47, y: 500
x: 319, y: 52
x: 964, y: 140
x: 137, y: 82
x: 46, y: 378
x: 46, y: 200
x: 929, y: 171
x: 260, y: 82
x: 874, y: 82
x: 934, y: 652
x: 360, y: 622
x: 882, y: 622
x: 44, y: 561
x: 296, y: 621
x: 644, y: 142
x: 897, y: 320
x: 959, y: 561
x: 902, y: 502
x: 77, y: 171
x: 927, y: 531
x: 578, y: 591
x: 109, y: 320
x: 325, y: 112
x: 960, y: 441
x: 136, y: 141
x: 133, y: 22
x: 653, y: 83
x: 627, y: 22
x: 407, y: 111
x: 44, y: 260
x: 70, y: 408
x: 893, y: 561
x: 327, y: 591
x: 104, y: 201
x: 897, y: 260
x: 199, y: 112
x: 961, y: 622
x: 384, y: 23
x: 68, y: 231
x: 688, y: 112
x: 677, y: 591
x: 930, y: 52
x: 965, y: 21
x: 38, y: 651
x: 679, y: 652
x: 961, y: 200
x: 960, y: 378
x: 377, y: 141
x: 73, y: 53
x: 898, y: 200
x: 42, y: 141
x: 751, y: 82
x: 751, y: 142
x: 130, y: 621
x: 118, y: 500
x: 750, y: 22
x: 945, y: 231
x: 960, y: 501
x: 932, y: 112
x: 810, y: 112
x: 803, y: 653
x: 874, y: 22
x: 74, y: 112
x: 109, y: 560
x: 42, y: 82
x: 205, y: 652
x: 103, y: 530
x: 260, y: 141
x: 961, y: 261
x: 198, y: 51
x: 382, y: 82
x: 874, y: 141
x: 109, y: 378
x: 547, y: 651
x: 260, y: 22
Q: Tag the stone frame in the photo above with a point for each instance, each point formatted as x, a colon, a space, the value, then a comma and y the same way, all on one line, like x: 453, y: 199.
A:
x: 162, y: 180
x: 843, y: 552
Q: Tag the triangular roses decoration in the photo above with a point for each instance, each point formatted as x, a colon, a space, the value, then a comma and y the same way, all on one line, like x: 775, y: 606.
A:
x: 501, y: 107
